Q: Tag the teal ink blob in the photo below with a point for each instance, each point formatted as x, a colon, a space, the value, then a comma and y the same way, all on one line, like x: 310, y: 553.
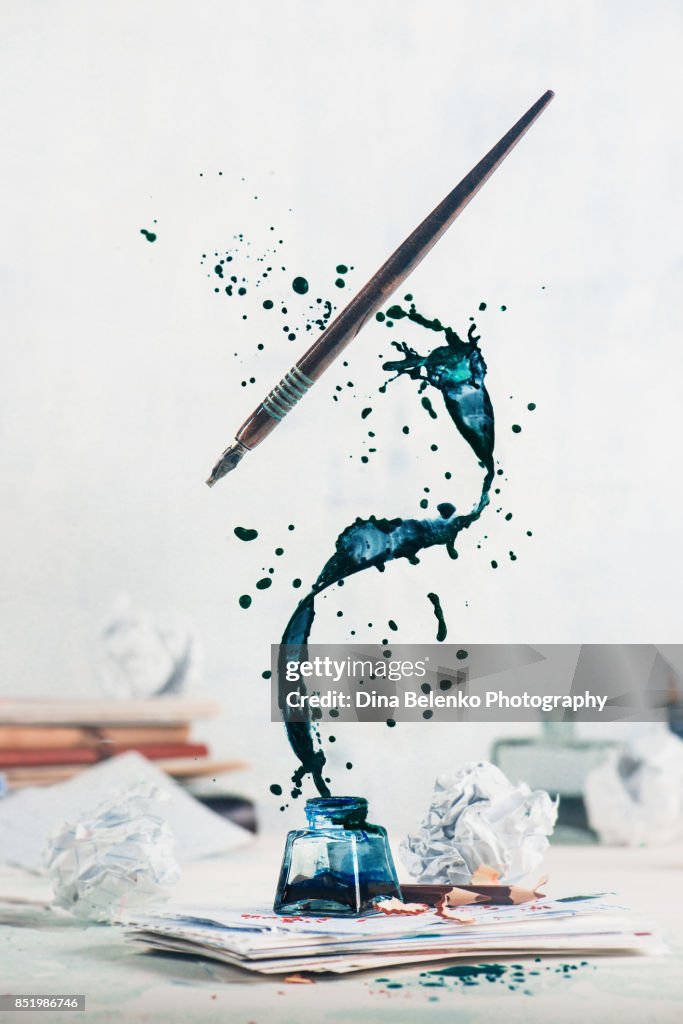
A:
x: 242, y: 533
x: 267, y: 674
x: 276, y: 790
x: 245, y: 601
x: 366, y: 412
x: 300, y: 285
x: 264, y: 583
x: 267, y: 304
x: 516, y: 429
x: 392, y: 625
x: 340, y: 282
x: 457, y: 370
x: 471, y: 971
x: 426, y: 404
x: 442, y: 631
x: 531, y: 406
x: 525, y: 978
x: 149, y: 235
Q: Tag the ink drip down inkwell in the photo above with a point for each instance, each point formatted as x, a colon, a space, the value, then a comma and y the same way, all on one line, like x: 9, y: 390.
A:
x: 341, y: 864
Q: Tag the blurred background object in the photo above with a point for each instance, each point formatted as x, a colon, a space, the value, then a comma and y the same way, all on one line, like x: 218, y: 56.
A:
x: 560, y: 762
x: 635, y: 796
x: 140, y: 657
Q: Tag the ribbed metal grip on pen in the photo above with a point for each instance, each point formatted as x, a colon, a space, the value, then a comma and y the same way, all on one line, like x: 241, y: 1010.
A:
x: 287, y: 393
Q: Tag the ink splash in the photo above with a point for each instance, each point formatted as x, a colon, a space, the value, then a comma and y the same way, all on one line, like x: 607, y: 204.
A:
x: 457, y: 370
x: 296, y: 305
x: 528, y: 978
x: 442, y: 631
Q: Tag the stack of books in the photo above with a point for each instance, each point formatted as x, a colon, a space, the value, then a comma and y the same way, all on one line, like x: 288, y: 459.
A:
x: 42, y: 742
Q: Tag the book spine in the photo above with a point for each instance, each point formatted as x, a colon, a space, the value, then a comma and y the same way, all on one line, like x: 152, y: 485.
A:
x: 39, y: 737
x: 89, y: 755
x: 179, y: 768
x: 156, y: 711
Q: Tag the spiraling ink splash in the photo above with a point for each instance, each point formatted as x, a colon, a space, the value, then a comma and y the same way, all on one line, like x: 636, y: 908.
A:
x: 456, y: 369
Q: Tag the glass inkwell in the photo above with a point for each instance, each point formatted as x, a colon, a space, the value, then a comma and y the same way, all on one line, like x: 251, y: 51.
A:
x: 339, y: 865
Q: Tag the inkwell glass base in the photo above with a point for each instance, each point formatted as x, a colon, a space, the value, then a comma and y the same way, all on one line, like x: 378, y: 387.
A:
x: 339, y: 865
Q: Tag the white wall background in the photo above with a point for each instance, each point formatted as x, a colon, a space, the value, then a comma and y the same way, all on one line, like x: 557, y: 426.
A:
x: 119, y: 382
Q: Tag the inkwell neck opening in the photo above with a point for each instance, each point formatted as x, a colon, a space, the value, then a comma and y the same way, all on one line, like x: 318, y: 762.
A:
x: 337, y: 810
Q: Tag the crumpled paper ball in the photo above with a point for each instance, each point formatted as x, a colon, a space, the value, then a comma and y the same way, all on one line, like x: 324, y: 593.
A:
x: 142, y: 657
x: 117, y: 858
x: 478, y: 817
x: 635, y: 797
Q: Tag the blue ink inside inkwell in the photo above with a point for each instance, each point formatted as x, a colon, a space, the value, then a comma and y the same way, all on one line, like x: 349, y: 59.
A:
x: 339, y: 865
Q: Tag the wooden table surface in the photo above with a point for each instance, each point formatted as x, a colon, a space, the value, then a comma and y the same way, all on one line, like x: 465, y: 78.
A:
x: 43, y: 951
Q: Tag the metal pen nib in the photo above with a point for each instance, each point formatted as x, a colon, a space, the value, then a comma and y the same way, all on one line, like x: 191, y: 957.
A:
x: 227, y: 462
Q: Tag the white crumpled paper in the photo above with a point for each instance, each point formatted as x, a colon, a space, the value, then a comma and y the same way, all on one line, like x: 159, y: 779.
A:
x: 478, y: 817
x: 140, y: 657
x: 119, y: 857
x: 635, y: 797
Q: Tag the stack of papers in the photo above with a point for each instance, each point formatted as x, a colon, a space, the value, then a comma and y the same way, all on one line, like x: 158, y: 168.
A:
x: 261, y: 941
